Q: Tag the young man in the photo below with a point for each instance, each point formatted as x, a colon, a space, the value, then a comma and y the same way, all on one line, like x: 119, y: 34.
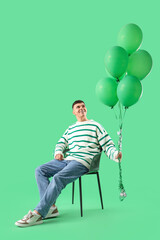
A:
x: 84, y: 139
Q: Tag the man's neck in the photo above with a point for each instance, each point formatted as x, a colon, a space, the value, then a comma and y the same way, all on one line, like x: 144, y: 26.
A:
x: 82, y: 119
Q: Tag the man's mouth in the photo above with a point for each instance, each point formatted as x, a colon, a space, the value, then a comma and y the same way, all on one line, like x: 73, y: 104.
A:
x: 82, y: 111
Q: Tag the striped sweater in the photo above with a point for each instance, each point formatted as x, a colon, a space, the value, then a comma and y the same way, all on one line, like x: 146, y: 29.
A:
x: 84, y: 140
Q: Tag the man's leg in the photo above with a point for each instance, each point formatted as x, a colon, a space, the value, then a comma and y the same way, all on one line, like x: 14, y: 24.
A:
x: 45, y: 171
x: 68, y: 174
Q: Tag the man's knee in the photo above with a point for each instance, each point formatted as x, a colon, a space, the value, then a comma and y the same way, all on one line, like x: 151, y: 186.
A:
x: 38, y: 170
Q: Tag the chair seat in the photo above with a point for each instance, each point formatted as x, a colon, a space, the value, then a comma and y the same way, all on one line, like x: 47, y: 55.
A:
x: 91, y: 172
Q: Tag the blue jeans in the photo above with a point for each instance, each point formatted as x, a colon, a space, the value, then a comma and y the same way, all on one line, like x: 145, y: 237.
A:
x: 63, y: 172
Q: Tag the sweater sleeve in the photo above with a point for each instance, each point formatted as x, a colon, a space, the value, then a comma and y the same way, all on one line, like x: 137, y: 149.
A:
x: 106, y: 143
x: 62, y: 144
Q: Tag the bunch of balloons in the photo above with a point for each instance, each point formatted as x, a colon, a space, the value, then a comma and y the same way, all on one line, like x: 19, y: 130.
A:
x: 127, y: 65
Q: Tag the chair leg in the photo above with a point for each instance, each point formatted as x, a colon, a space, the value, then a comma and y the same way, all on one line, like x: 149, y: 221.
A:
x: 73, y: 193
x: 80, y: 192
x: 100, y: 192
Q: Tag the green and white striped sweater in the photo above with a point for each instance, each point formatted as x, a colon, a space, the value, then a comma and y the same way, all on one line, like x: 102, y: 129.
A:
x: 84, y: 140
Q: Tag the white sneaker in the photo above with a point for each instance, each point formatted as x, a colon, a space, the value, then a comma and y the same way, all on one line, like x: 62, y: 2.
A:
x: 30, y: 219
x: 53, y: 212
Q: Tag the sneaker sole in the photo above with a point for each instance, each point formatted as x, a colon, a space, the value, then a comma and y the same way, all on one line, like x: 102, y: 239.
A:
x: 52, y: 216
x: 27, y: 225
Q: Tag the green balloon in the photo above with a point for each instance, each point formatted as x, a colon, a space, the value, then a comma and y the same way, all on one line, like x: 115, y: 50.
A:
x: 116, y: 61
x: 130, y: 37
x: 140, y: 64
x: 106, y: 91
x: 129, y: 90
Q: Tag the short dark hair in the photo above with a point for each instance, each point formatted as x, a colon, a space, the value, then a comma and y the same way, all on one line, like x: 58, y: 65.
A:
x: 77, y: 101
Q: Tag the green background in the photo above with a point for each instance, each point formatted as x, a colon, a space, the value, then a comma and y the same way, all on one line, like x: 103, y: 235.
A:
x: 51, y: 54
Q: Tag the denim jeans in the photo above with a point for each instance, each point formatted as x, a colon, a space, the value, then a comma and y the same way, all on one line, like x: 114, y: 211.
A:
x: 63, y: 173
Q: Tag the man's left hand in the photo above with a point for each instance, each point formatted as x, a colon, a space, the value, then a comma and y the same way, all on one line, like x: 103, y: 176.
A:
x: 119, y: 155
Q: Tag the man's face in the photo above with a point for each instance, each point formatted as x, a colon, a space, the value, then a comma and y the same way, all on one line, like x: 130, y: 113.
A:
x: 80, y: 110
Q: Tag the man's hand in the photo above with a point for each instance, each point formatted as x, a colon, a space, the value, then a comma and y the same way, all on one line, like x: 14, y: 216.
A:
x: 59, y: 157
x: 119, y: 155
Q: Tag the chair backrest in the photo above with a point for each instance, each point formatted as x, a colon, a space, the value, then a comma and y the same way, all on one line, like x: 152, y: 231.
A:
x: 95, y: 161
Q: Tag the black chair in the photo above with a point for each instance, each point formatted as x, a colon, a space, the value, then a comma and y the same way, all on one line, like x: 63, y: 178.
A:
x: 94, y: 169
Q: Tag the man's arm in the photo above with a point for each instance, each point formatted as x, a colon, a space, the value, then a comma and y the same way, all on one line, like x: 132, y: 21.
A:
x: 61, y: 146
x: 107, y: 144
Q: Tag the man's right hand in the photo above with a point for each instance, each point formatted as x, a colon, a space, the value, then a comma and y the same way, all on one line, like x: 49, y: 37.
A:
x: 59, y: 157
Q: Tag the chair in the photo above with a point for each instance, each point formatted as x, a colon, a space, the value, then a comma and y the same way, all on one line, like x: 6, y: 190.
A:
x: 94, y: 169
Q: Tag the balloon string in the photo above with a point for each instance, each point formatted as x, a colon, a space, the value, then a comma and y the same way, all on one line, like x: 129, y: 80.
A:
x: 121, y: 187
x: 114, y: 112
x: 120, y: 116
x: 124, y: 113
